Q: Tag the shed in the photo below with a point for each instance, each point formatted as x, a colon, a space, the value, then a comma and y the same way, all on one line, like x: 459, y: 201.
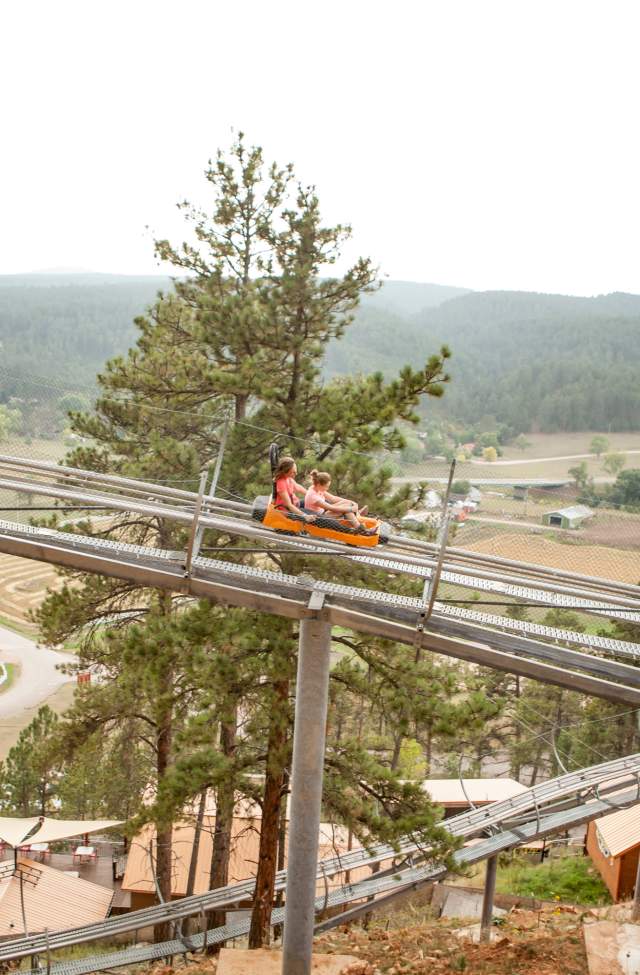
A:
x: 456, y: 796
x: 613, y: 843
x: 571, y: 517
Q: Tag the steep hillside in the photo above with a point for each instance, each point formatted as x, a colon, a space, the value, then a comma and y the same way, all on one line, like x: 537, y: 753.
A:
x: 529, y: 360
x: 64, y: 326
x: 407, y: 298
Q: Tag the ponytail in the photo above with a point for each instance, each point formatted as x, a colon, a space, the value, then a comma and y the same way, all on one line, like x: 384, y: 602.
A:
x: 319, y: 478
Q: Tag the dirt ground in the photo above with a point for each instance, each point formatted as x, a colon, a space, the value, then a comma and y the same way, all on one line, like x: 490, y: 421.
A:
x: 561, y: 444
x: 528, y: 943
x: 60, y: 701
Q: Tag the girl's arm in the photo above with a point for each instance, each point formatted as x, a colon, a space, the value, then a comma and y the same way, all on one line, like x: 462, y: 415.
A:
x: 286, y: 501
x: 299, y: 488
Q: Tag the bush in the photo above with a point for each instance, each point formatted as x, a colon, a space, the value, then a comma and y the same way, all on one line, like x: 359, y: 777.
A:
x: 573, y: 879
x: 461, y: 487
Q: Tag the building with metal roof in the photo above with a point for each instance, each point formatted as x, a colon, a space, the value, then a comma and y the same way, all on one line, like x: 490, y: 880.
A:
x: 52, y: 899
x: 570, y: 517
x: 613, y: 843
x: 139, y: 881
x: 456, y: 795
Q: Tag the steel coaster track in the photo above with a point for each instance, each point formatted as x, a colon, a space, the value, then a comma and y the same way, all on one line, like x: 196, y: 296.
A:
x: 544, y: 593
x: 397, y: 883
x: 383, y: 614
x: 145, y: 488
x: 183, y: 503
x: 400, y: 608
x: 526, y: 628
x: 595, y: 781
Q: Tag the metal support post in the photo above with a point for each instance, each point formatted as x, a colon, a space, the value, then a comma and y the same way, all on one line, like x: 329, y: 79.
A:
x: 216, y: 471
x: 430, y: 589
x: 487, y: 901
x: 312, y: 687
x: 195, y: 535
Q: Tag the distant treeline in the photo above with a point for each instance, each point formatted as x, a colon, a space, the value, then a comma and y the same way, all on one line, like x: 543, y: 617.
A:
x: 65, y: 327
x: 528, y: 361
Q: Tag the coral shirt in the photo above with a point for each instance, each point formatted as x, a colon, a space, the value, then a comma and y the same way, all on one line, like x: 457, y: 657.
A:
x: 314, y: 500
x: 285, y: 486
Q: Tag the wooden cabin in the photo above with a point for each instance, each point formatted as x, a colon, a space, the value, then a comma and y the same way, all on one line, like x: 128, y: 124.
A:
x: 613, y: 843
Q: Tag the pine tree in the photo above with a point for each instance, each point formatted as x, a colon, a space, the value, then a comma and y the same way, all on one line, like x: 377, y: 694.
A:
x: 29, y: 774
x: 247, y: 330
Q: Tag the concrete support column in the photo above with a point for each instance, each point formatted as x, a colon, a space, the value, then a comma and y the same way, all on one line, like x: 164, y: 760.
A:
x: 312, y: 687
x: 487, y: 901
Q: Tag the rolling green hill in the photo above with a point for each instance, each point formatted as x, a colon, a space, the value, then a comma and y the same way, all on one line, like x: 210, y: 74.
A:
x: 531, y: 361
x: 65, y: 326
x: 528, y: 360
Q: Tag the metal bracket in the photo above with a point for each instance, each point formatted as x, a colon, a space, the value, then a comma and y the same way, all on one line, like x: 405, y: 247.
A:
x: 430, y: 589
x: 316, y: 601
x: 195, y: 535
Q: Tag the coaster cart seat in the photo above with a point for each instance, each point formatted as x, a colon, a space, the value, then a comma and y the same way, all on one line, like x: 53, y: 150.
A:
x: 330, y: 529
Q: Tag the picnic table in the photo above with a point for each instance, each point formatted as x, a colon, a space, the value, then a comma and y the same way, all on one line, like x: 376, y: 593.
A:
x: 84, y: 854
x: 40, y: 851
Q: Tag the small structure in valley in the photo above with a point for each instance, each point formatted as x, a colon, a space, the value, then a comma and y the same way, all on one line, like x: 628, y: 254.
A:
x: 613, y: 843
x: 571, y: 517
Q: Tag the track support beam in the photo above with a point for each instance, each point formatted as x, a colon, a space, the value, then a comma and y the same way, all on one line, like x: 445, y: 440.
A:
x: 312, y: 688
x: 487, y: 900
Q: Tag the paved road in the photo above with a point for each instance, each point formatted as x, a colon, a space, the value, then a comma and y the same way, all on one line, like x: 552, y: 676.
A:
x: 38, y: 678
x: 516, y: 461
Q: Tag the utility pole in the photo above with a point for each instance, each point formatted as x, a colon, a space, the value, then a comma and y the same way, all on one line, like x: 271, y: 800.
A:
x: 312, y: 687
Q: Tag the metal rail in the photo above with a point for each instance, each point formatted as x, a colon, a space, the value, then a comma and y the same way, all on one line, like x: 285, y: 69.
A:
x: 595, y: 780
x: 384, y: 888
x: 369, y: 611
x: 567, y: 597
x: 183, y: 503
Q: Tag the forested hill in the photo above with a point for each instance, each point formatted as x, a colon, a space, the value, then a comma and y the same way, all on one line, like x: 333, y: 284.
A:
x: 65, y: 326
x: 528, y: 360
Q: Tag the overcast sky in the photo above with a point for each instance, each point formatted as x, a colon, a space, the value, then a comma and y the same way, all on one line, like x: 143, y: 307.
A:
x: 487, y: 144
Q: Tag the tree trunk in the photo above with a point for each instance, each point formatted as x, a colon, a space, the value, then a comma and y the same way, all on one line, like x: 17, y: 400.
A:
x: 164, y: 831
x: 536, y: 765
x: 259, y: 934
x: 397, y: 745
x: 241, y: 406
x: 193, y: 865
x: 225, y: 801
x: 282, y: 851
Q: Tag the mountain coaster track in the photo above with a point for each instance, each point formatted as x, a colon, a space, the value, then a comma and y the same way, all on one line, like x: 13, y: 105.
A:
x: 465, y: 634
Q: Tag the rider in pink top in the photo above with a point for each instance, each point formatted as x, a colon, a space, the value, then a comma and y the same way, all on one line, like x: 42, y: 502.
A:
x: 318, y: 499
x: 286, y: 489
